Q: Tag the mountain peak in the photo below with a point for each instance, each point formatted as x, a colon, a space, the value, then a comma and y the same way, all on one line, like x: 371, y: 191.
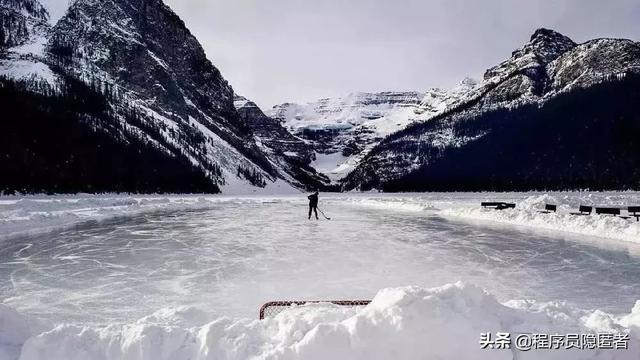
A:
x: 544, y: 33
x: 550, y: 38
x: 548, y: 44
x: 544, y: 46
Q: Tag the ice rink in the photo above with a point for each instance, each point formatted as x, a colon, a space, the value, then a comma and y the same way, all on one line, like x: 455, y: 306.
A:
x: 225, y: 257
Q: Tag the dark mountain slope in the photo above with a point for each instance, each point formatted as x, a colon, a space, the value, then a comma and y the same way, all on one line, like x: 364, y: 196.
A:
x: 66, y: 142
x: 585, y: 139
x: 468, y: 146
x: 157, y: 87
x: 144, y: 50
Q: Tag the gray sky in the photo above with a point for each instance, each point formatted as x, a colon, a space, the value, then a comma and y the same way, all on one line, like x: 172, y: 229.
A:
x: 275, y: 51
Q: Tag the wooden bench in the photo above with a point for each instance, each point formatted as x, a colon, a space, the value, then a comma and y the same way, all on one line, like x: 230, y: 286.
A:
x: 584, y: 210
x: 548, y: 208
x: 608, y: 211
x: 491, y: 204
x: 634, y: 211
x: 498, y: 205
x: 506, y: 206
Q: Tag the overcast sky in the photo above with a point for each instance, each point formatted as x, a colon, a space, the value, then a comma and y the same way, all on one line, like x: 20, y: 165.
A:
x: 275, y: 51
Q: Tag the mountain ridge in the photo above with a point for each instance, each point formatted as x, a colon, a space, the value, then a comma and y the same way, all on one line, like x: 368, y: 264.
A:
x: 515, y: 83
x: 156, y: 80
x: 156, y: 91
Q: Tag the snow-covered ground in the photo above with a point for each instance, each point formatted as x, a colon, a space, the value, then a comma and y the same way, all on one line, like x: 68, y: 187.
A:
x: 465, y: 206
x: 182, y: 277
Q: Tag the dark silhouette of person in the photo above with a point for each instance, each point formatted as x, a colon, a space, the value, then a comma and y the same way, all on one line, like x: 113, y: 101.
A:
x: 313, y: 204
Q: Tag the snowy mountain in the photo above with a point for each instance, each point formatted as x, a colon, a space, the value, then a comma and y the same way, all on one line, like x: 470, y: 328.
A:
x: 118, y: 95
x: 152, y: 88
x: 555, y: 115
x: 343, y: 130
x: 288, y: 152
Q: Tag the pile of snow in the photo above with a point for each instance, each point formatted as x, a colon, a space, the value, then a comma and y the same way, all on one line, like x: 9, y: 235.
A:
x: 14, y: 331
x: 400, y: 323
x: 466, y: 206
x: 528, y: 213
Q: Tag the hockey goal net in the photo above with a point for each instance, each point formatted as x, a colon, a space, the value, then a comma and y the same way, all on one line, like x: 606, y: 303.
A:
x: 273, y: 308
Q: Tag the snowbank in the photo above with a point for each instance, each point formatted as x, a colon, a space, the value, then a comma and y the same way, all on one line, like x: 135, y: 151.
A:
x: 14, y: 331
x: 527, y: 213
x: 400, y: 323
x: 466, y: 206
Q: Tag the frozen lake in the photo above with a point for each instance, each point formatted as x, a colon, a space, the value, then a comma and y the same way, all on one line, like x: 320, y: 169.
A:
x: 230, y: 257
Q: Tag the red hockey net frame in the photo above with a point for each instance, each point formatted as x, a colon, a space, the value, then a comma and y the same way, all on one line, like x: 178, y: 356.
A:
x: 273, y: 308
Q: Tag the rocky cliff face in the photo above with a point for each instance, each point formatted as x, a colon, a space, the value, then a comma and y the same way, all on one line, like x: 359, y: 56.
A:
x: 143, y: 51
x: 154, y: 76
x: 289, y: 153
x: 19, y: 19
x: 550, y: 70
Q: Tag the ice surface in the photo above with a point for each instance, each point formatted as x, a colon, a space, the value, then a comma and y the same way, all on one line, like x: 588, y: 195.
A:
x: 182, y: 277
x: 34, y: 215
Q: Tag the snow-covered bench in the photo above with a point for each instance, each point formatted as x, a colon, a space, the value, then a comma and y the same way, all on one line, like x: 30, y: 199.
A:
x: 634, y: 211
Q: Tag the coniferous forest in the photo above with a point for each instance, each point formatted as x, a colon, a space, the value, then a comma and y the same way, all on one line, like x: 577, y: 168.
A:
x: 584, y: 139
x: 68, y: 141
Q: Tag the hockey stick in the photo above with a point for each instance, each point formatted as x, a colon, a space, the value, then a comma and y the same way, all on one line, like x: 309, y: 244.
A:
x: 325, y: 216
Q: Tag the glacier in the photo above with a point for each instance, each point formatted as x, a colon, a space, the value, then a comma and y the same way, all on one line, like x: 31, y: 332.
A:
x: 344, y: 130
